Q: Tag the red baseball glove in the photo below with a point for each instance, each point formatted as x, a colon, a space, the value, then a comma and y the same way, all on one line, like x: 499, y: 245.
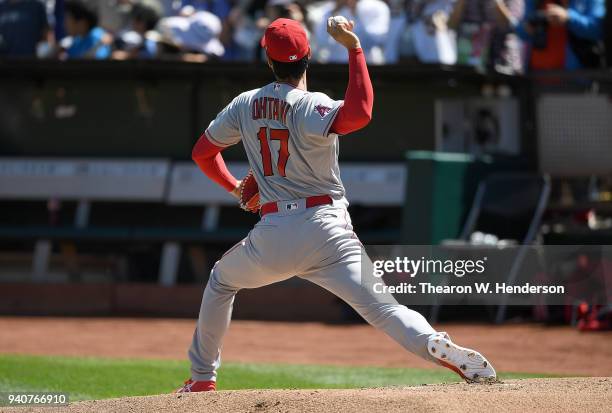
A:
x: 248, y: 192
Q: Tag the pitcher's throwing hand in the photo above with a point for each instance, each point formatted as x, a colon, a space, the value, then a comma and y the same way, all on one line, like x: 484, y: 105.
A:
x: 341, y: 30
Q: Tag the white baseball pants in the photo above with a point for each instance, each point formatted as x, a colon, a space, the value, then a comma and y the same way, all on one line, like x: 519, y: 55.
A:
x: 317, y: 244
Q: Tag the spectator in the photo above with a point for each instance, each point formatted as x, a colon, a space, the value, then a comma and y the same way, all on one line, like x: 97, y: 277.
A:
x: 276, y: 9
x: 86, y: 40
x: 432, y: 39
x: 246, y: 22
x: 140, y: 40
x: 397, y: 27
x: 564, y: 35
x: 194, y: 38
x: 220, y: 8
x: 145, y: 15
x: 288, y: 9
x: 58, y: 19
x: 113, y: 15
x: 23, y: 25
x: 485, y: 35
x: 372, y: 19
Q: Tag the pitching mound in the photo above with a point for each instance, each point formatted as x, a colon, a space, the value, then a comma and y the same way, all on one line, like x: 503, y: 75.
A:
x: 571, y: 394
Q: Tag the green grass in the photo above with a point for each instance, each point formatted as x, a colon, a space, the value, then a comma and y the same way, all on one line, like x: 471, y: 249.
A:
x: 96, y: 378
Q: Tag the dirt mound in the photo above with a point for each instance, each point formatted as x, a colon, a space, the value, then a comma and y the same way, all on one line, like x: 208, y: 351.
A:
x: 543, y: 395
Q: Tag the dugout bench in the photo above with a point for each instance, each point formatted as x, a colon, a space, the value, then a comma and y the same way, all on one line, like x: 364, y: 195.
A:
x: 153, y: 183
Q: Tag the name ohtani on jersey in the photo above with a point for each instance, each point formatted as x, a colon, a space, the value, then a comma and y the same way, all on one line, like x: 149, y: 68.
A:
x: 270, y: 108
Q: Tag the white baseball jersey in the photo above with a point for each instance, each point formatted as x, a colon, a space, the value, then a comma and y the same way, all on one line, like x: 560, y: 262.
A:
x: 285, y: 132
x: 286, y: 135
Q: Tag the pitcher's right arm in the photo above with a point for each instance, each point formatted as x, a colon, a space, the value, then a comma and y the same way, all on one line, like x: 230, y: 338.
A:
x: 356, y: 112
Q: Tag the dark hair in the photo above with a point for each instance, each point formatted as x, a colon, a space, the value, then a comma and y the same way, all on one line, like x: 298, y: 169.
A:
x: 82, y: 10
x: 146, y: 14
x: 292, y: 70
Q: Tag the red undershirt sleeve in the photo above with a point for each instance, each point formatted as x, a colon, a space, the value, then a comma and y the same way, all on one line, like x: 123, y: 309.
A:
x: 356, y: 112
x: 208, y: 158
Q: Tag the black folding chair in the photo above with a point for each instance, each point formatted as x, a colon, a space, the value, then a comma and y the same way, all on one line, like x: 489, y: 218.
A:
x: 510, y: 206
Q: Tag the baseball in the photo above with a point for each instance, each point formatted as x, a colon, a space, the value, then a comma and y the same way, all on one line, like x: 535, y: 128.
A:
x: 335, y: 20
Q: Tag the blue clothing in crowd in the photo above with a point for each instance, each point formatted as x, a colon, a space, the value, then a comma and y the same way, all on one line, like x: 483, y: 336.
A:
x: 58, y: 15
x: 89, y: 46
x: 585, y: 20
x: 220, y: 8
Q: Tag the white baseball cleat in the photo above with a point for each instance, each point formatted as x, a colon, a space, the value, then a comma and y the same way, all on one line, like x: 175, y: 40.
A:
x: 469, y: 364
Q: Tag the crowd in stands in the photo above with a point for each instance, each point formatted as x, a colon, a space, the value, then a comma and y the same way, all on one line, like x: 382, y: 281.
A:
x: 508, y: 36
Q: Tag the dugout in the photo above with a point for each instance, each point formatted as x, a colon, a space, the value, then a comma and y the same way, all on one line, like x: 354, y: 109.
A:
x: 78, y: 111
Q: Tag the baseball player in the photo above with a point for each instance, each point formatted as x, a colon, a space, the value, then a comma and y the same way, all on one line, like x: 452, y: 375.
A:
x: 291, y: 139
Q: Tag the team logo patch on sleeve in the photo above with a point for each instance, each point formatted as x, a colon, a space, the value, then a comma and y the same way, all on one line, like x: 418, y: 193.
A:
x: 323, y: 110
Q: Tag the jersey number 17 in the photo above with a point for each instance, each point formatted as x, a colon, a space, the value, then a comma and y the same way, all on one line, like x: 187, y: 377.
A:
x: 281, y: 135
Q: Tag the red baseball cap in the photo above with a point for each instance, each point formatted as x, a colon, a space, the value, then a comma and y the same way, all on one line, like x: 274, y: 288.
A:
x: 285, y: 40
